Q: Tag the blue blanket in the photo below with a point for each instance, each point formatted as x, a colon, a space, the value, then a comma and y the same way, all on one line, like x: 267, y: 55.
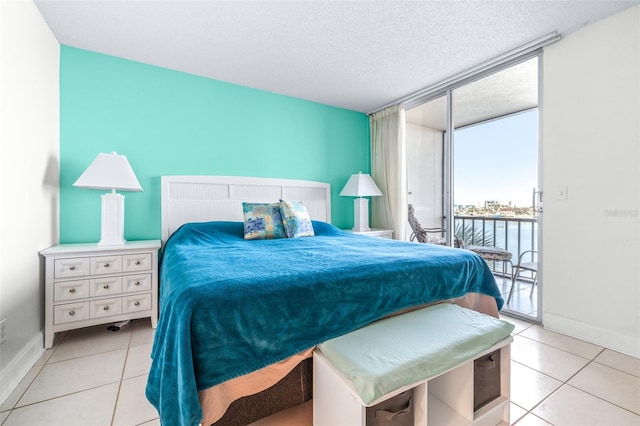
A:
x: 230, y: 306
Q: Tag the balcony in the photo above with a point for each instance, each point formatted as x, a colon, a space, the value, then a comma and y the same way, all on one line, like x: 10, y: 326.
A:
x: 515, y: 235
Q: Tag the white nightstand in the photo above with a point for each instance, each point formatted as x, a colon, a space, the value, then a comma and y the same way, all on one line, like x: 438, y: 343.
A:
x: 374, y: 232
x: 88, y: 285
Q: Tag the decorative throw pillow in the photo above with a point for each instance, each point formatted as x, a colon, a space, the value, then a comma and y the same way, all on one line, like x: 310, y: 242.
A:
x: 262, y: 221
x: 296, y: 219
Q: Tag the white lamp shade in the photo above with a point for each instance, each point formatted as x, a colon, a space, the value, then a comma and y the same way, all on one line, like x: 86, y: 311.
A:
x: 360, y: 185
x: 109, y: 171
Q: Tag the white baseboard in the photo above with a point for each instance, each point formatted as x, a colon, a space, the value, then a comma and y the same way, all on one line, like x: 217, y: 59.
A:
x: 18, y: 368
x: 610, y: 339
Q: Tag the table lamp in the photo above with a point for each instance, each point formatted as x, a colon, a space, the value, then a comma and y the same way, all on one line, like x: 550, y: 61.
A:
x: 360, y: 185
x: 110, y: 171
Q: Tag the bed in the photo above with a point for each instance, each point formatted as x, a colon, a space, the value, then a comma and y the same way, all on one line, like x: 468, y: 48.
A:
x: 241, y: 317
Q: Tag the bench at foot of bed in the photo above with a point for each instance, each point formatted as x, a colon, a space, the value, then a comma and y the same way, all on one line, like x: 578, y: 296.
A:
x: 439, y: 365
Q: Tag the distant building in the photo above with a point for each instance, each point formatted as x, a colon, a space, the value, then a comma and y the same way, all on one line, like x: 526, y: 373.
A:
x: 492, y: 208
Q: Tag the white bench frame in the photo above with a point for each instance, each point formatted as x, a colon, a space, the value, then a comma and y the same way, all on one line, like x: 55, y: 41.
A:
x: 445, y: 399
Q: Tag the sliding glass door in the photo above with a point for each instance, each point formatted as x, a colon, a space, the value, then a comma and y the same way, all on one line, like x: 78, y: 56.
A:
x: 472, y: 163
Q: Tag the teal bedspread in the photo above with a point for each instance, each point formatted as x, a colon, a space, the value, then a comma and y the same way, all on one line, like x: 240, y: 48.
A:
x: 230, y: 306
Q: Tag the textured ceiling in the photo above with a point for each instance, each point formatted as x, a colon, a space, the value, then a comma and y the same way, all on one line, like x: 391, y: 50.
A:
x: 357, y: 55
x: 508, y: 91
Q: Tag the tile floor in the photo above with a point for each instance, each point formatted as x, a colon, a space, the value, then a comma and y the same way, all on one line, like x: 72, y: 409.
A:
x: 90, y: 377
x: 97, y: 377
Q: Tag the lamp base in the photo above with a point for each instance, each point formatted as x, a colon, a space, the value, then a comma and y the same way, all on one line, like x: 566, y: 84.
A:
x: 361, y: 214
x: 112, y: 226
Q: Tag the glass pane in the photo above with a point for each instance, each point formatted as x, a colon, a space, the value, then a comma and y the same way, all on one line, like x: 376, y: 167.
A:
x: 425, y: 129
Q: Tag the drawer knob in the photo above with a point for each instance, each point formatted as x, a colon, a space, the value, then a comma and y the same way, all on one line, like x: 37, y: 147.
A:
x: 136, y: 303
x: 72, y: 268
x: 136, y: 283
x: 106, y: 308
x: 72, y: 290
x: 106, y: 265
x: 106, y: 286
x: 137, y: 262
x: 72, y: 313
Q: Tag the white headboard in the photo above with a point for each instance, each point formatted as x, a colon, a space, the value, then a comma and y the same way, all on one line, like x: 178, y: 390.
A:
x: 207, y: 198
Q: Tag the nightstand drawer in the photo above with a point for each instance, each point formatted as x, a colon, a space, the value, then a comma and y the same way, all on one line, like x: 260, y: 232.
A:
x: 69, y: 268
x: 106, y: 286
x: 106, y: 265
x: 105, y: 307
x: 138, y: 302
x: 70, y: 290
x: 136, y: 283
x: 137, y: 262
x: 70, y: 312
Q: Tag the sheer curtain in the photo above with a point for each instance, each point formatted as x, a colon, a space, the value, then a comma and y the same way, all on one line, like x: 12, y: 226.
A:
x: 388, y: 170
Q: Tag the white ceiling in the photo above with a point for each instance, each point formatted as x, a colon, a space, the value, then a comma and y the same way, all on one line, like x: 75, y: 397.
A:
x: 357, y: 55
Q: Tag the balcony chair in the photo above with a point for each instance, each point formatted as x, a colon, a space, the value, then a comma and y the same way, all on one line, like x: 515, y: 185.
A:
x: 493, y: 254
x: 422, y: 234
x: 522, y: 266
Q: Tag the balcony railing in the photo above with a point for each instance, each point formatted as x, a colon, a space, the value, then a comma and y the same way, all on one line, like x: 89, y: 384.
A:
x: 515, y: 235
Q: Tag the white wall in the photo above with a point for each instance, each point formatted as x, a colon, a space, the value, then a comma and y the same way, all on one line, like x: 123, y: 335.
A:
x: 424, y: 175
x: 29, y: 136
x: 591, y: 139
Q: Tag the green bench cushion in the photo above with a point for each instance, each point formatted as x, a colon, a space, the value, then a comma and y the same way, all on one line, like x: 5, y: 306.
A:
x: 405, y: 349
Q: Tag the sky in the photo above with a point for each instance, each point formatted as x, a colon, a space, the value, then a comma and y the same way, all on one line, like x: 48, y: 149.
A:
x: 497, y: 160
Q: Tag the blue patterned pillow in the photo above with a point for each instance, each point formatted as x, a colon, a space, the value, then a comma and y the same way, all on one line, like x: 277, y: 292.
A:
x: 296, y: 219
x: 262, y: 221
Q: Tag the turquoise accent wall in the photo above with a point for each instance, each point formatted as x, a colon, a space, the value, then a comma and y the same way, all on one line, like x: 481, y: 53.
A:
x: 168, y: 122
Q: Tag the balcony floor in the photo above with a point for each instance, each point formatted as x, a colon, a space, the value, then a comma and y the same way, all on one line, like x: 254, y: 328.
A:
x: 522, y: 302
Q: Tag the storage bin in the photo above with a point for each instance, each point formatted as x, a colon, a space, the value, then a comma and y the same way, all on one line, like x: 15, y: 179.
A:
x: 395, y: 411
x: 486, y: 379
